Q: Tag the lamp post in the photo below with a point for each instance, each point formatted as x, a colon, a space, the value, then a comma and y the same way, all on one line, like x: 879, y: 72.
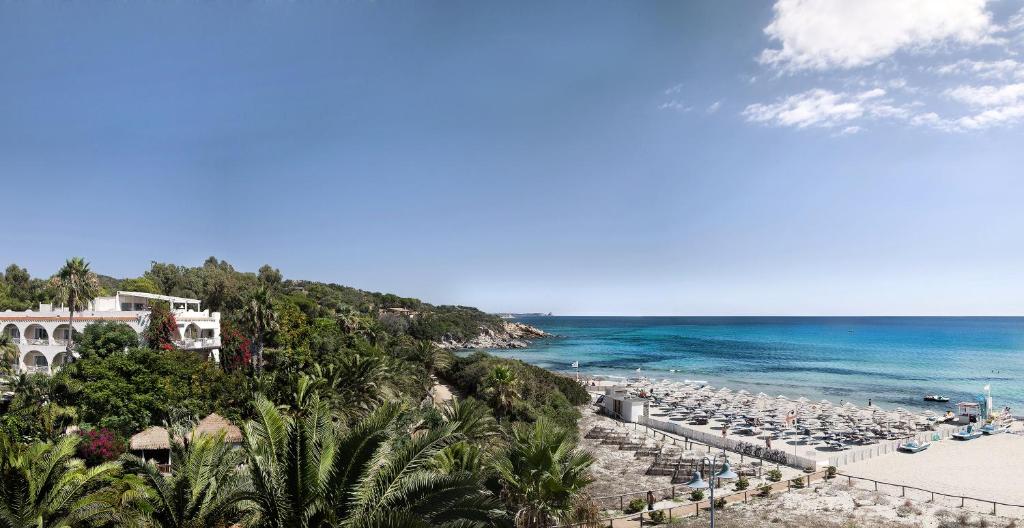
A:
x: 698, y: 483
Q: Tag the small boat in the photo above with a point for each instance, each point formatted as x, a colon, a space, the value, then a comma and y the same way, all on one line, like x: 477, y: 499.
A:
x: 991, y: 429
x: 967, y: 434
x: 914, y: 447
x: 936, y: 398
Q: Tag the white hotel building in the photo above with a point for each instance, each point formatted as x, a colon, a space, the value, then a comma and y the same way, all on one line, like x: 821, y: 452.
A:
x: 42, y: 335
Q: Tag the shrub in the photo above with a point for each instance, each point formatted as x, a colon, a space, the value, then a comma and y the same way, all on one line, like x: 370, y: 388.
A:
x: 697, y: 495
x: 742, y: 484
x: 98, y: 446
x: 798, y: 482
x: 907, y: 509
x: 635, y: 505
x: 720, y: 503
x: 658, y: 517
x: 775, y: 475
x: 765, y: 490
x: 831, y: 471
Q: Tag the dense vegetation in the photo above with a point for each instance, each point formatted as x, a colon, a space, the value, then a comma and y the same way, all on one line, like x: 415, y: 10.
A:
x: 332, y: 387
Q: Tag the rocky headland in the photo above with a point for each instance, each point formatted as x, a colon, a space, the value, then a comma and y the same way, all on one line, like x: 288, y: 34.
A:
x: 507, y: 334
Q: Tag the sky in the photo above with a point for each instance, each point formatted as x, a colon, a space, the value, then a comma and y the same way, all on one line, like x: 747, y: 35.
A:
x: 718, y: 157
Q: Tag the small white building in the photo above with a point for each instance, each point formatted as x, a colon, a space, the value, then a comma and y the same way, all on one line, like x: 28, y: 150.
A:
x: 42, y: 335
x: 619, y: 403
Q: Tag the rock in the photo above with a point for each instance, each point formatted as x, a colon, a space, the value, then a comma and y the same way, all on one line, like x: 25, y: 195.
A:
x: 860, y: 503
x: 508, y: 334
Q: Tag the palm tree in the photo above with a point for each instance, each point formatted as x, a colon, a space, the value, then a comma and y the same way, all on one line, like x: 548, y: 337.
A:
x: 43, y: 485
x: 204, y: 488
x: 261, y: 319
x: 543, y: 474
x: 306, y: 472
x: 9, y: 353
x: 434, y: 359
x: 74, y: 286
x: 502, y: 385
x: 356, y: 384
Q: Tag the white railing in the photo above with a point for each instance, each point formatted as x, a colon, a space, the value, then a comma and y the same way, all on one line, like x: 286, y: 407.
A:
x: 199, y: 342
x: 17, y: 340
x: 43, y: 342
x: 35, y: 369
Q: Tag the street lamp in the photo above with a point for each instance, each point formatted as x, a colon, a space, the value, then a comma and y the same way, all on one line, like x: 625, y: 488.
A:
x: 697, y: 482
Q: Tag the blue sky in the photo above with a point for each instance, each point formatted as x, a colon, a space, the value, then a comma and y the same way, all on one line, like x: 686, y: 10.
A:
x: 716, y: 157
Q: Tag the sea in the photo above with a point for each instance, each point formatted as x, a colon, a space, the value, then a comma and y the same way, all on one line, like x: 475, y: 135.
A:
x: 893, y: 361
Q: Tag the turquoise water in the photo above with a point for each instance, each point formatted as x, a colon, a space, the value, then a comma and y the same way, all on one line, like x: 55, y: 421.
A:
x: 892, y: 360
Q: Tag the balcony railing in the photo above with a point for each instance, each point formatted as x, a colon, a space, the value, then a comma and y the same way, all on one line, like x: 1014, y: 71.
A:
x: 37, y: 369
x: 59, y: 341
x: 17, y: 340
x: 197, y: 343
x: 43, y: 341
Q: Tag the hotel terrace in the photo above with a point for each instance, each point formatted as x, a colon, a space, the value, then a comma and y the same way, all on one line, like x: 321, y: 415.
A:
x: 42, y: 335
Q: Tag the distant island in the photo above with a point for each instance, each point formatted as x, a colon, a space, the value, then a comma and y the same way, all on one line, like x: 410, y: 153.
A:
x: 518, y: 315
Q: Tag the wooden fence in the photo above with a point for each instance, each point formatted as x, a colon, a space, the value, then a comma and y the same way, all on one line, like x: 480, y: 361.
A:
x: 691, y: 509
x: 935, y: 497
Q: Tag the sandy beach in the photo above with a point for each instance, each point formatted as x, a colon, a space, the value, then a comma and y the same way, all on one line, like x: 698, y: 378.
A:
x: 989, y: 468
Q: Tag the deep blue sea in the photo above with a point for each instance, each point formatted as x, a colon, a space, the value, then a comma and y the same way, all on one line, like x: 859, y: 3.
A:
x: 893, y: 360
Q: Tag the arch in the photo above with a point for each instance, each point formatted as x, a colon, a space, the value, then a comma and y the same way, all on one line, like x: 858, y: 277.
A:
x: 61, y: 334
x: 11, y: 330
x: 35, y: 334
x: 191, y: 331
x: 35, y: 362
x: 59, y: 361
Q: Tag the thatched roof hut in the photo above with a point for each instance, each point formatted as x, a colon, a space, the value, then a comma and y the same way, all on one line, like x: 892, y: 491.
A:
x: 215, y: 424
x: 156, y: 437
x: 152, y: 439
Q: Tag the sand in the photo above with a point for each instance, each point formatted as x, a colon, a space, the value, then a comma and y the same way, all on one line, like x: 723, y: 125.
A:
x: 989, y: 468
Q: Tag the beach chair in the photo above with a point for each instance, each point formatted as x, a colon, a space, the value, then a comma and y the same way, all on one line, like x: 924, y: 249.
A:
x: 914, y: 447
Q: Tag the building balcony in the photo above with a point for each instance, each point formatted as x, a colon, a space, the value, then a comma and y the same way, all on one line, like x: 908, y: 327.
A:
x: 35, y: 369
x: 198, y: 343
x: 18, y: 341
x: 37, y: 342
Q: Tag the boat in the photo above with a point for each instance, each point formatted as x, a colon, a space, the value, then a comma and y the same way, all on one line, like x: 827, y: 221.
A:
x: 967, y: 434
x: 991, y: 429
x: 914, y: 447
x: 936, y: 398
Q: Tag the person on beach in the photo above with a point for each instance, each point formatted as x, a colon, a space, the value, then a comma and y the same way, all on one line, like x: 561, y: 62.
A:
x: 725, y: 430
x: 768, y: 442
x: 650, y: 501
x: 869, y: 402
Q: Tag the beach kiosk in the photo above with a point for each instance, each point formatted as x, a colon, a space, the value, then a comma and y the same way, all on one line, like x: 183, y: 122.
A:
x: 619, y: 403
x: 968, y: 412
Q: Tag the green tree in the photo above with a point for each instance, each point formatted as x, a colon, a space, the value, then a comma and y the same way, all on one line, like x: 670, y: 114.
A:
x: 74, y: 287
x: 502, y: 386
x: 104, y: 338
x: 543, y: 474
x: 162, y: 327
x: 140, y: 284
x: 43, y: 485
x: 9, y: 353
x: 204, y: 488
x: 261, y: 320
x: 306, y: 472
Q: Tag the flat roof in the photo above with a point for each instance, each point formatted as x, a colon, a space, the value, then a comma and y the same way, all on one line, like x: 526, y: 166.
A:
x: 169, y: 298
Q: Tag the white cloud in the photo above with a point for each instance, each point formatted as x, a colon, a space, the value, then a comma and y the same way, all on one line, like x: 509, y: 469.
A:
x: 995, y: 69
x: 678, y: 106
x: 988, y: 96
x: 823, y: 34
x: 826, y: 109
x: 713, y: 107
x: 1016, y: 21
